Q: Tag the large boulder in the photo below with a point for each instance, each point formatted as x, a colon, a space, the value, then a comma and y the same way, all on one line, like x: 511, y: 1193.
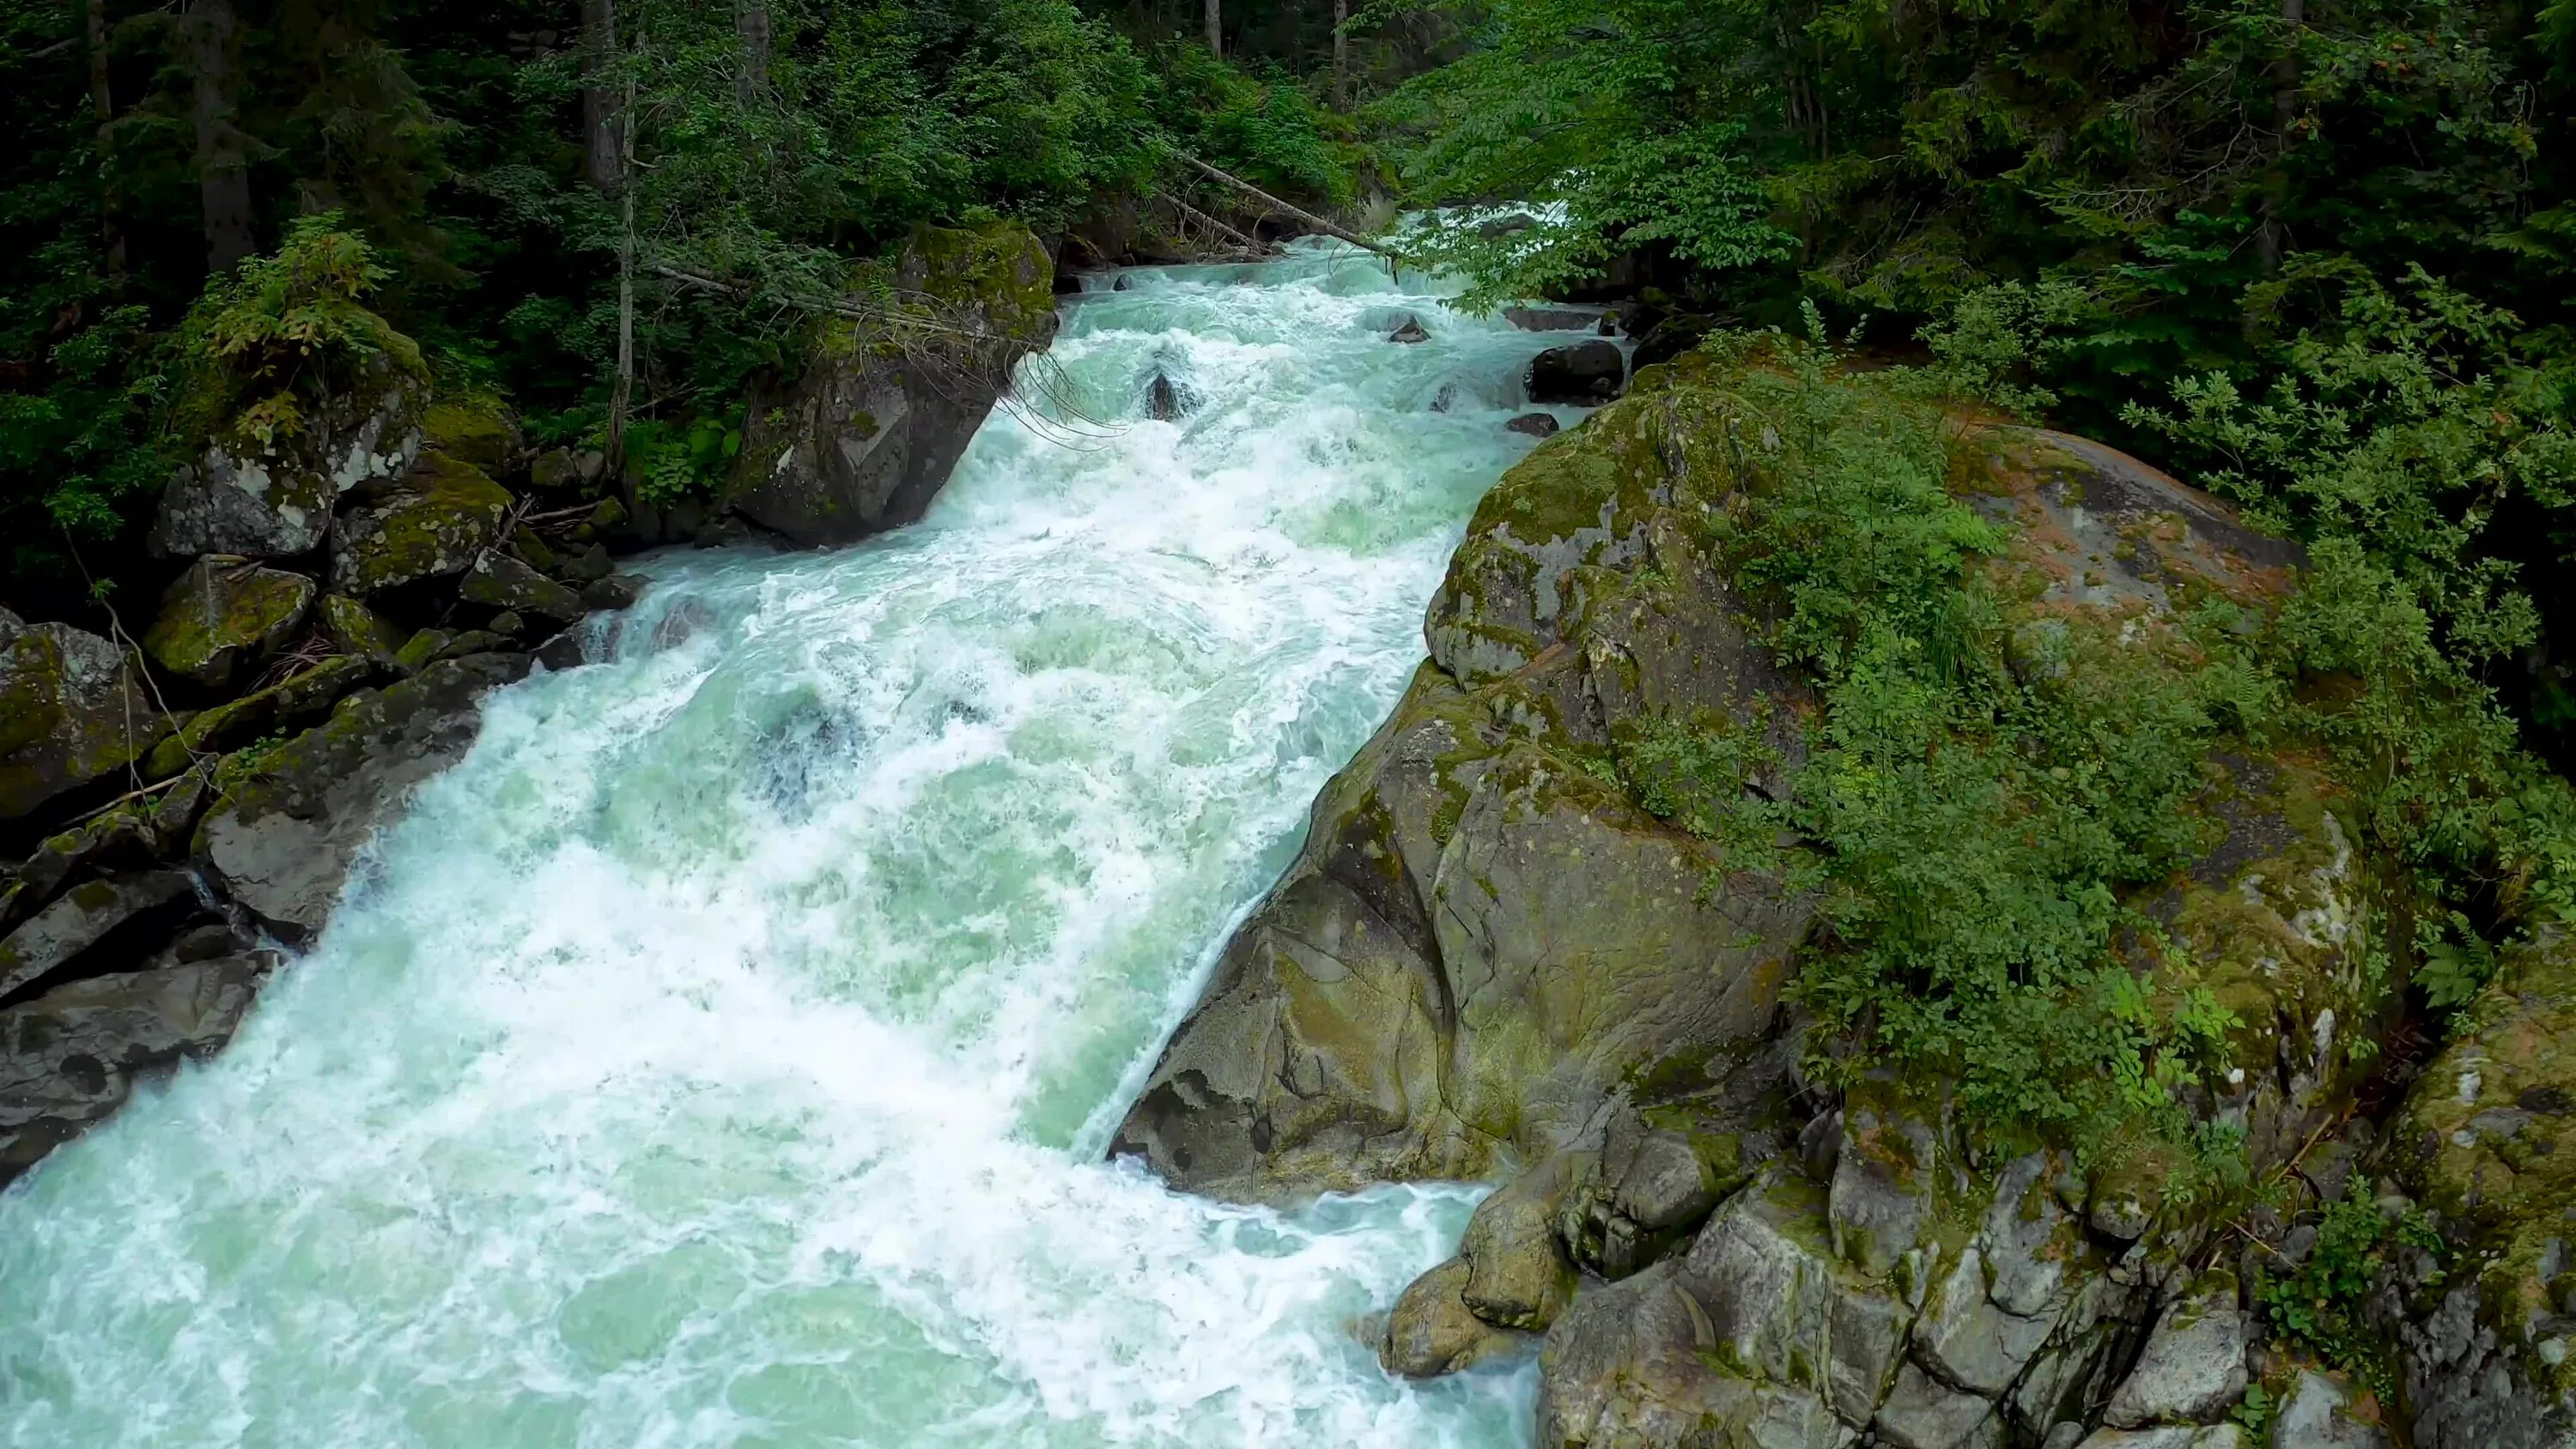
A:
x: 223, y: 613
x: 1582, y: 373
x: 71, y: 1056
x: 72, y: 709
x: 443, y: 517
x: 865, y: 437
x: 100, y: 919
x: 292, y: 819
x: 280, y: 505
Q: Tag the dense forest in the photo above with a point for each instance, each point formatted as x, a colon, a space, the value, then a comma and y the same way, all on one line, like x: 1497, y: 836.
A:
x: 2316, y: 256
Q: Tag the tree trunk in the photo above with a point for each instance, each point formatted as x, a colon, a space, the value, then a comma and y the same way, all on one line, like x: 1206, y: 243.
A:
x: 1215, y: 30
x: 623, y: 391
x: 102, y: 100
x: 751, y: 26
x: 1341, y: 54
x: 2285, y: 110
x: 223, y: 168
x: 601, y: 120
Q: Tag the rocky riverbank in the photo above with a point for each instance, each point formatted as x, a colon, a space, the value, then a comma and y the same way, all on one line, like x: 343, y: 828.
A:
x: 191, y: 789
x: 1492, y: 960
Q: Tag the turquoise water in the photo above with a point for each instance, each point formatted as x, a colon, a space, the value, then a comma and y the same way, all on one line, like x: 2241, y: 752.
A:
x: 723, y: 1053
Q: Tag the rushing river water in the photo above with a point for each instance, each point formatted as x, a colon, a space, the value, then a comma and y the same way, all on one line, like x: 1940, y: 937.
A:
x: 723, y: 1053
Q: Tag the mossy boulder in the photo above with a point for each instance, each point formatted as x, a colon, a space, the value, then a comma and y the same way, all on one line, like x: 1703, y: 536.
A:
x: 225, y: 613
x: 474, y: 427
x: 289, y: 704
x: 360, y: 631
x: 73, y: 709
x: 446, y: 515
x: 864, y: 438
x: 500, y: 582
x: 280, y: 504
x: 292, y: 818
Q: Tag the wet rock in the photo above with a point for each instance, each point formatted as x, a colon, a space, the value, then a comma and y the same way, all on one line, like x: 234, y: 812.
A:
x: 1167, y: 401
x: 103, y: 916
x: 1410, y: 332
x: 1433, y: 1332
x: 617, y: 591
x: 1536, y: 425
x: 132, y: 836
x: 2193, y: 1368
x: 280, y: 506
x: 70, y: 1057
x: 865, y: 438
x: 72, y: 710
x: 291, y: 823
x: 1553, y: 319
x: 498, y: 581
x: 588, y: 566
x: 223, y: 613
x: 1584, y: 373
x: 444, y: 517
x: 2321, y: 1411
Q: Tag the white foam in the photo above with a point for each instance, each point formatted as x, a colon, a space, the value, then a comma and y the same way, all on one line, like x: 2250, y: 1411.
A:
x: 722, y: 1053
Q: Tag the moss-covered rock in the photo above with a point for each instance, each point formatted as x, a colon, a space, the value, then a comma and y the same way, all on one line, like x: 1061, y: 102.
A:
x: 289, y: 704
x: 291, y: 819
x: 72, y: 710
x: 281, y: 505
x: 474, y: 427
x: 225, y: 613
x: 866, y: 436
x: 498, y: 581
x: 444, y: 517
x: 360, y: 631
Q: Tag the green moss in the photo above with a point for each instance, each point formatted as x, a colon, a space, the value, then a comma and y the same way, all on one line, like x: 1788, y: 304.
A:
x: 474, y: 428
x: 450, y: 511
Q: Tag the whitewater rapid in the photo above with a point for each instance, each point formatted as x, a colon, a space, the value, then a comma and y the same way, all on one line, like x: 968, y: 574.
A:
x: 723, y: 1053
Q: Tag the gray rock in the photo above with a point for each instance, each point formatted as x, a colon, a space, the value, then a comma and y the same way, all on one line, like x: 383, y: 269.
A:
x: 867, y: 436
x: 1968, y: 1341
x: 225, y: 612
x: 1411, y: 332
x: 1634, y: 1364
x: 617, y: 591
x: 1536, y: 425
x: 2193, y: 1368
x: 1882, y: 1188
x: 72, y: 710
x: 280, y: 506
x: 1432, y: 1331
x: 102, y: 913
x: 361, y: 632
x: 1517, y: 1274
x: 2029, y: 1240
x: 588, y: 566
x: 2317, y: 1413
x: 1582, y: 373
x: 1665, y: 1184
x: 498, y: 581
x: 1784, y: 1309
x: 2063, y: 1436
x: 2164, y: 1438
x: 70, y: 1057
x: 285, y: 835
x: 1924, y: 1413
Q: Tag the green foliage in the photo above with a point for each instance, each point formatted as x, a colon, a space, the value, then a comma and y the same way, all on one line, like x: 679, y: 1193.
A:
x: 675, y: 462
x: 2321, y: 1304
x: 275, y: 340
x: 1974, y: 837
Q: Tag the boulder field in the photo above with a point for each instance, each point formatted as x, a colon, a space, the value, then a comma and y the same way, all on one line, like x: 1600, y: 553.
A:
x: 1490, y: 961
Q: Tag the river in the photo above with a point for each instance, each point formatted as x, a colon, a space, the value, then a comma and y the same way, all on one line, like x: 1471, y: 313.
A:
x: 723, y: 1053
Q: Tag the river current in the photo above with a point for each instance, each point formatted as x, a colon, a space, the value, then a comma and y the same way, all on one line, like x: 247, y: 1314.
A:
x: 723, y: 1053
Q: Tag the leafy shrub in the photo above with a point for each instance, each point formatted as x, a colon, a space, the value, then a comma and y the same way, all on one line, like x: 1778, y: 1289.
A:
x: 2321, y: 1304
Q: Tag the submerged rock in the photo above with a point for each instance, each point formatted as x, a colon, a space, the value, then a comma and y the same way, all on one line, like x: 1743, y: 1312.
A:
x: 225, y: 612
x: 1536, y: 425
x: 1583, y: 373
x: 1411, y: 331
x: 863, y: 440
